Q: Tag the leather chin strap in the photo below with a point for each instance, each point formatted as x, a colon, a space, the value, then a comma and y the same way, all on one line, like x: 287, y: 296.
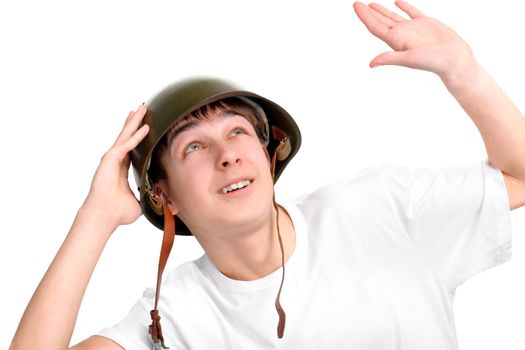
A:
x: 278, y: 307
x: 155, y: 329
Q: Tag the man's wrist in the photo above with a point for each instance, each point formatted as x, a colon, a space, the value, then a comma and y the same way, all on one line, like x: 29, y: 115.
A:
x: 466, y: 80
x: 98, y: 220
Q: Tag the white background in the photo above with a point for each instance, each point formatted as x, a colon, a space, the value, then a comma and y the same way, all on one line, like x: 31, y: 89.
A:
x: 71, y: 71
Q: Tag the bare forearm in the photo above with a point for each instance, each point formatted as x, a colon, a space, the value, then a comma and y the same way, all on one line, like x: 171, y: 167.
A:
x: 50, y: 317
x: 499, y: 121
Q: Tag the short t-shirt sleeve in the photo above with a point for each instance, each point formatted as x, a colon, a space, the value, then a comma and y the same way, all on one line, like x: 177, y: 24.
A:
x: 458, y: 218
x: 132, y: 331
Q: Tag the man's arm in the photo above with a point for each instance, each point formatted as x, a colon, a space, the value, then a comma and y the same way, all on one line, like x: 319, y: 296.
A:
x: 515, y: 191
x: 499, y: 122
x: 50, y: 316
x: 97, y: 343
x: 422, y: 42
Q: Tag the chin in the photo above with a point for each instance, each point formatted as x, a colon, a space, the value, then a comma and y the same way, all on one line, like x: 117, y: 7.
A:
x: 245, y: 215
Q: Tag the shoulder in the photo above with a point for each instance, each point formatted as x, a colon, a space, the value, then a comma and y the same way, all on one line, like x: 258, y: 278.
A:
x: 357, y: 183
x: 353, y: 194
x: 188, y: 275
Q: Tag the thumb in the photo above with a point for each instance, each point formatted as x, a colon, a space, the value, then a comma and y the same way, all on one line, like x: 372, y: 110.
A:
x: 389, y: 58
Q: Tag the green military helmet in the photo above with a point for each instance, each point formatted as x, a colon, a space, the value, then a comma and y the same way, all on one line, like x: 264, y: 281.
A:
x: 184, y: 97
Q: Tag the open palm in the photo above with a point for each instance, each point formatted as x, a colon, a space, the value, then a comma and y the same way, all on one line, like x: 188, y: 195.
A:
x: 420, y: 42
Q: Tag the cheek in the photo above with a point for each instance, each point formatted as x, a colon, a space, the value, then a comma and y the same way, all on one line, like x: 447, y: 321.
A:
x: 185, y: 181
x: 255, y: 151
x: 265, y: 157
x: 260, y: 158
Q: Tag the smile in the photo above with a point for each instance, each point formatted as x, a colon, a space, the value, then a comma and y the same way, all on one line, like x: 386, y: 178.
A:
x: 236, y: 186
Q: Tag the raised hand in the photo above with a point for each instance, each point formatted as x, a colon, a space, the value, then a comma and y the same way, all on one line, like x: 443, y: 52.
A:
x: 420, y: 42
x: 110, y: 195
x: 110, y: 203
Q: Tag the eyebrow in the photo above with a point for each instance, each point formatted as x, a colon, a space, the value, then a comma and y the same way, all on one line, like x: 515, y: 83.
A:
x: 196, y: 122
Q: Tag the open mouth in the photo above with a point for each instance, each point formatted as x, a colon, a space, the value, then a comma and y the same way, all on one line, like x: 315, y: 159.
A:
x: 237, y: 186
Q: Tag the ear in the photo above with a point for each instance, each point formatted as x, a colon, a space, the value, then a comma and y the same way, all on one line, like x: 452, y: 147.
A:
x: 162, y: 190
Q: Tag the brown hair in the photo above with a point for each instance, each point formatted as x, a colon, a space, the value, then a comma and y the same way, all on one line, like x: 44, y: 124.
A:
x: 241, y: 106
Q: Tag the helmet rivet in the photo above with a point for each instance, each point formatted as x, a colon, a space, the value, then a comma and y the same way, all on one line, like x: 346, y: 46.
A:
x: 155, y: 203
x: 284, y: 148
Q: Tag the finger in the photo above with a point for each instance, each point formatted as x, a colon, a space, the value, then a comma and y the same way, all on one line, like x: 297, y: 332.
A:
x: 120, y: 136
x: 389, y: 58
x: 121, y: 151
x: 386, y: 12
x: 129, y: 117
x: 409, y: 9
x: 134, y: 121
x: 135, y: 139
x: 381, y: 18
x: 131, y: 125
x: 371, y: 23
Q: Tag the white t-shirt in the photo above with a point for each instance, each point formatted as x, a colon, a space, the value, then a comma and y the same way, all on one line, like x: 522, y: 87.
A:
x: 377, y: 260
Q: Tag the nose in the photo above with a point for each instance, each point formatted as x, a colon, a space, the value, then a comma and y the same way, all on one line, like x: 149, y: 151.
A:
x: 228, y: 156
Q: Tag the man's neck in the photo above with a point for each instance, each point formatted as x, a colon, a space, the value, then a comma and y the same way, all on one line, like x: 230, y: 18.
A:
x: 255, y: 255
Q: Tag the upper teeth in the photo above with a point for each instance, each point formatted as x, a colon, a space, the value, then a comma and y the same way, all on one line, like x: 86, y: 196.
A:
x: 235, y: 186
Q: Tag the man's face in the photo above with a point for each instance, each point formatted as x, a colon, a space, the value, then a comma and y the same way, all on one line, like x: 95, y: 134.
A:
x: 202, y: 162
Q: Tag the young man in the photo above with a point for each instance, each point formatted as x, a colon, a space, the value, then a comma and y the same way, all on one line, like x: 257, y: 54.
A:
x: 372, y: 261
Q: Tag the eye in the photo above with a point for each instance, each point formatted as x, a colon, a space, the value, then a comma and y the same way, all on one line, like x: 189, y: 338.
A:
x: 191, y: 148
x: 238, y: 130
